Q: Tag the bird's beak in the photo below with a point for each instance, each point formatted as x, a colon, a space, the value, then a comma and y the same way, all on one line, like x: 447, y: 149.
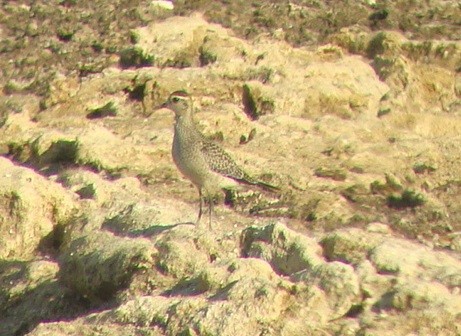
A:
x: 164, y: 105
x: 158, y: 107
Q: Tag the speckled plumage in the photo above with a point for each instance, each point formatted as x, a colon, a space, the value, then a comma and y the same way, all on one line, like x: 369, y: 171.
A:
x: 222, y: 163
x: 202, y: 161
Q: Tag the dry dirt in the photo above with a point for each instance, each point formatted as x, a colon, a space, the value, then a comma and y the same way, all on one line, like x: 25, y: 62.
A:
x: 353, y: 108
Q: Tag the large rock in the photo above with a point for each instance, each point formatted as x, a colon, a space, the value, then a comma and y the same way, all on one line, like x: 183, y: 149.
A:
x: 287, y: 251
x: 30, y: 293
x: 339, y: 282
x: 32, y: 208
x: 98, y: 265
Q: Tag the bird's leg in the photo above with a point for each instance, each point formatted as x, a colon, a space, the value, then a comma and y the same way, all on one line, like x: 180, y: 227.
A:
x: 210, y: 209
x: 200, y: 211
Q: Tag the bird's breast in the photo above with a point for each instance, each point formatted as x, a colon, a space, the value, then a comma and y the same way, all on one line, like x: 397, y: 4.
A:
x: 189, y: 159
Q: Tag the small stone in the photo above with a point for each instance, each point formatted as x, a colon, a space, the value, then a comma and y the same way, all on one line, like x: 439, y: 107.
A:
x: 168, y: 5
x: 379, y: 228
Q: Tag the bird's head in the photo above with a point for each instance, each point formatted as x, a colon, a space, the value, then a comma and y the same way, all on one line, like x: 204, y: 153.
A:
x: 179, y: 102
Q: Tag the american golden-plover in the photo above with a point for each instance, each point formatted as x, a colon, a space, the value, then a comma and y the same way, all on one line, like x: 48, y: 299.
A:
x: 202, y: 161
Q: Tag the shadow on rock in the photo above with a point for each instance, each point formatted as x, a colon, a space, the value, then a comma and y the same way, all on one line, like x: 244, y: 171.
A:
x: 151, y: 231
x: 30, y: 293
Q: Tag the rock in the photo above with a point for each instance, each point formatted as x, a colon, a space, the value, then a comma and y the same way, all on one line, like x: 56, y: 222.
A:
x: 95, y: 147
x: 424, y: 295
x: 107, y: 110
x: 354, y: 39
x: 406, y: 258
x: 163, y: 4
x: 223, y: 49
x: 377, y: 227
x: 122, y: 206
x: 97, y: 265
x: 178, y: 48
x: 31, y: 293
x: 181, y: 253
x: 142, y: 218
x: 135, y: 57
x: 226, y: 312
x: 339, y: 282
x: 287, y: 251
x: 254, y: 100
x: 336, y: 174
x: 106, y: 193
x: 141, y: 311
x: 82, y: 329
x: 33, y: 207
x: 350, y: 245
x: 99, y: 148
x: 53, y: 148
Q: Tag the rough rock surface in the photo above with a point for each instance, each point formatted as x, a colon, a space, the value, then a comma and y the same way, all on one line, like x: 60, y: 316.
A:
x: 353, y: 109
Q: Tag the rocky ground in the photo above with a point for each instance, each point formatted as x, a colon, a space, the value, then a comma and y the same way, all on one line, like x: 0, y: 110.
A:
x: 353, y: 108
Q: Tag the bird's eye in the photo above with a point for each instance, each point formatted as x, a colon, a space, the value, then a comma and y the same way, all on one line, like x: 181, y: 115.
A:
x: 175, y: 99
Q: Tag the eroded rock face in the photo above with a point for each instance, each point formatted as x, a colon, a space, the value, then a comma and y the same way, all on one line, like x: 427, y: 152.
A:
x: 360, y: 131
x: 32, y: 208
x: 232, y: 294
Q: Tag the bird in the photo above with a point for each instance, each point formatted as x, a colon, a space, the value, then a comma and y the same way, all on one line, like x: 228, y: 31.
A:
x: 206, y: 164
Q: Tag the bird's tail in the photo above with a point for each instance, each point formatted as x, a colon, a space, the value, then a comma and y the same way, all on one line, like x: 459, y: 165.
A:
x: 247, y: 179
x: 266, y: 186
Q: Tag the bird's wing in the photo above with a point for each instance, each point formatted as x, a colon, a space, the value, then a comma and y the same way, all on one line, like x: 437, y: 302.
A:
x: 220, y: 162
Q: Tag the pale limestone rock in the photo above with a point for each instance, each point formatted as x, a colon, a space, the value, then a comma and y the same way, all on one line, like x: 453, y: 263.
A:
x: 82, y: 329
x: 97, y: 265
x: 287, y: 251
x: 350, y: 245
x: 180, y: 254
x: 32, y: 208
x: 178, y: 47
x: 339, y: 282
x: 162, y: 4
x: 409, y: 259
x: 100, y: 148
